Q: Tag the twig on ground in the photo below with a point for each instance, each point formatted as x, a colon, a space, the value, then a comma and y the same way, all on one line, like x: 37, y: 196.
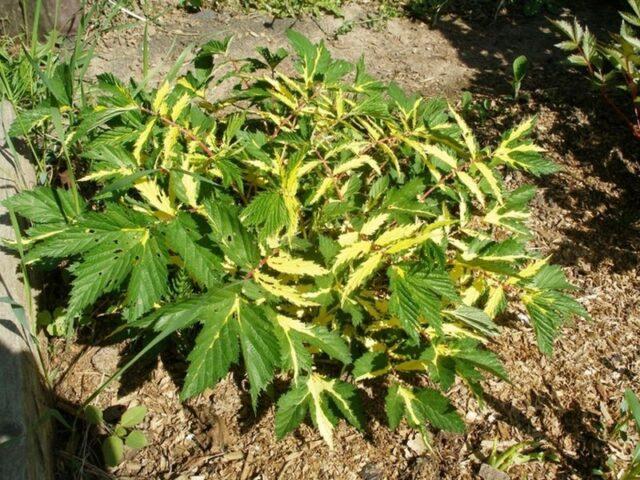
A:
x: 126, y: 11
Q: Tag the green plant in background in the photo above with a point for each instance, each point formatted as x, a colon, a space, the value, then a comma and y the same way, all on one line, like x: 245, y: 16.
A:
x: 334, y: 230
x: 49, y: 76
x: 276, y: 8
x: 121, y: 435
x: 190, y: 5
x: 427, y: 9
x: 433, y: 9
x: 377, y: 19
x: 293, y: 8
x: 630, y: 409
x: 55, y: 323
x: 479, y: 110
x: 613, y: 66
x: 520, y: 68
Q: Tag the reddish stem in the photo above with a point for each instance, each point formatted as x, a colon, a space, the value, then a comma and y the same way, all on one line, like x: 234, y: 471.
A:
x: 442, y: 180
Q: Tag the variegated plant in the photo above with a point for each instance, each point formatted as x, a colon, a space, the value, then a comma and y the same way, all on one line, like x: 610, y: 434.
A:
x: 332, y: 230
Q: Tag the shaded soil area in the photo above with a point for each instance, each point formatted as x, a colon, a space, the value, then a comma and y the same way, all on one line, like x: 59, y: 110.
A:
x: 587, y: 217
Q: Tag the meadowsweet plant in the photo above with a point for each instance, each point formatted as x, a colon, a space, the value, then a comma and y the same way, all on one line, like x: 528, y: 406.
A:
x: 612, y: 67
x: 322, y: 226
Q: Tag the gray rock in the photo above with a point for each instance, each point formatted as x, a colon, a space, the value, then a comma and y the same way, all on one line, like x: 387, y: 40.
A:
x: 487, y: 472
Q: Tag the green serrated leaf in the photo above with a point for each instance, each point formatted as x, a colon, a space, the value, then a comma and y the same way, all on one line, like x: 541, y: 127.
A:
x: 44, y: 205
x: 370, y: 365
x: 149, y: 278
x: 439, y: 412
x: 291, y: 410
x: 232, y: 326
x: 182, y: 236
x: 475, y: 318
x: 394, y: 406
x: 293, y: 334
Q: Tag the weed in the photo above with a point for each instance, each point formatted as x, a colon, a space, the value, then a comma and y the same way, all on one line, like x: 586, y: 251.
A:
x: 630, y: 409
x: 518, y: 454
x: 520, y: 68
x: 119, y: 435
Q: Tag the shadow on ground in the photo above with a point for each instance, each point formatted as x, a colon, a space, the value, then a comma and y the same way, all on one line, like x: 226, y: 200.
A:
x: 603, y: 200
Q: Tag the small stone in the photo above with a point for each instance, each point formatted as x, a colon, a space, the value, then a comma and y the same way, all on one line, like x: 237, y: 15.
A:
x: 417, y: 444
x: 371, y: 472
x: 471, y: 416
x: 487, y: 472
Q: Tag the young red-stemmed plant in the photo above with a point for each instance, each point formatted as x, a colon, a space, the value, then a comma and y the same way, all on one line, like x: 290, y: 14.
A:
x: 613, y: 66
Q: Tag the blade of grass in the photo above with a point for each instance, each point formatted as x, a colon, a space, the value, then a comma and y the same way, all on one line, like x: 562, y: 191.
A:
x: 30, y: 329
x: 145, y: 51
x: 35, y: 27
x: 59, y: 128
x: 23, y: 265
x: 59, y: 95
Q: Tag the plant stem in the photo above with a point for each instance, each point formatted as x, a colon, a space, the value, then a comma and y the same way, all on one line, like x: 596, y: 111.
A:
x: 442, y: 180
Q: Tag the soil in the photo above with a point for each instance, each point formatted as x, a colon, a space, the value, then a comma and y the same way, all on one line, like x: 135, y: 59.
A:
x: 587, y: 217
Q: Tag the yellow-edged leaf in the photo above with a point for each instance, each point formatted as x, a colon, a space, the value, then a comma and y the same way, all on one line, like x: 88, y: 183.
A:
x: 530, y: 270
x: 152, y: 193
x: 494, y: 302
x: 350, y: 253
x: 101, y: 174
x: 326, y: 184
x: 389, y: 151
x: 428, y: 232
x: 142, y: 140
x: 190, y: 185
x: 295, y: 266
x: 442, y: 154
x: 491, y: 180
x: 290, y: 293
x: 170, y: 140
x: 348, y: 238
x: 179, y: 106
x: 467, y: 134
x: 398, y: 233
x: 317, y: 386
x: 161, y: 95
x: 471, y: 184
x: 308, y: 167
x: 356, y: 163
x: 372, y: 225
x: 520, y: 130
x: 364, y: 271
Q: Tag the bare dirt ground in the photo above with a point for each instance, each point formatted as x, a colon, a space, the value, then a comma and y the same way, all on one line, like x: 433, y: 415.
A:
x: 587, y: 217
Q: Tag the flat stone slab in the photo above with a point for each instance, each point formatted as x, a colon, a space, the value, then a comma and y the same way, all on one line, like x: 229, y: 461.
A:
x: 27, y: 455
